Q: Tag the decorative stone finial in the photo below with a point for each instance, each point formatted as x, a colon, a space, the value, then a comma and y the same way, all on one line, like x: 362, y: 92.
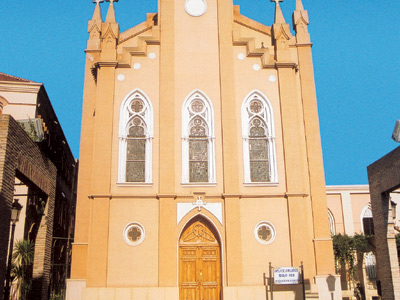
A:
x: 279, y: 18
x: 97, y: 13
x: 299, y: 5
x: 277, y: 1
x: 300, y: 23
x: 110, y: 18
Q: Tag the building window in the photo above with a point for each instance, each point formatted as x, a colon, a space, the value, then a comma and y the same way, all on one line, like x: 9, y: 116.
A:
x: 134, y: 234
x: 367, y: 221
x: 264, y: 232
x: 198, y: 161
x: 258, y: 139
x: 331, y: 220
x: 135, y: 139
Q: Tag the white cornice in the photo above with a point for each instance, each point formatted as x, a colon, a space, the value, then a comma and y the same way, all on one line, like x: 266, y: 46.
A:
x: 335, y: 189
x: 20, y: 87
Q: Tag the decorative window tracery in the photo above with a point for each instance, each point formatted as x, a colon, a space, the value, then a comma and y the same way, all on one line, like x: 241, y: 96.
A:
x: 134, y: 234
x: 135, y: 139
x: 258, y: 139
x: 198, y: 161
x: 265, y: 232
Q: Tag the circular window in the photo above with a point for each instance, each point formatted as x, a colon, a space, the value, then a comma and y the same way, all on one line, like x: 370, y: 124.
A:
x: 265, y: 233
x: 137, y: 105
x: 134, y: 234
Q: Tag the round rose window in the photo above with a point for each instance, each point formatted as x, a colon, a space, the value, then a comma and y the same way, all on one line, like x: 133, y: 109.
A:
x: 265, y: 232
x: 134, y: 234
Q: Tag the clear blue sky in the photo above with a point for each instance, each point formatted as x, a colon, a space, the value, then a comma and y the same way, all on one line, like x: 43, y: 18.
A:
x: 356, y: 60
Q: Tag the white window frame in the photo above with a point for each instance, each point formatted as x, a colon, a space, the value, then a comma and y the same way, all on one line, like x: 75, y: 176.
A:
x: 208, y: 117
x: 365, y: 213
x: 124, y: 119
x: 332, y: 224
x: 267, y: 116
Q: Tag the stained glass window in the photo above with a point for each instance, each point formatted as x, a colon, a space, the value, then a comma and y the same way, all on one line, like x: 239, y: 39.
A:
x: 135, y: 139
x: 198, y: 162
x: 136, y: 152
x: 198, y: 151
x: 258, y: 152
x: 258, y: 140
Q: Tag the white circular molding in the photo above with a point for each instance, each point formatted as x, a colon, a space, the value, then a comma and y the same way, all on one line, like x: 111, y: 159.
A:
x: 134, y: 234
x: 272, y: 78
x: 265, y: 232
x: 256, y: 67
x: 152, y: 55
x: 196, y: 8
x: 121, y: 77
x: 137, y: 66
x: 241, y: 56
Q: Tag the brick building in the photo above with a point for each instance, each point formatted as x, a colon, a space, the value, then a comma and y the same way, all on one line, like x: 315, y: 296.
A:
x: 384, y: 181
x: 38, y: 168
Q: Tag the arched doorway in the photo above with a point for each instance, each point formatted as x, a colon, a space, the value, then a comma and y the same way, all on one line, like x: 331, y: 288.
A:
x: 199, y: 262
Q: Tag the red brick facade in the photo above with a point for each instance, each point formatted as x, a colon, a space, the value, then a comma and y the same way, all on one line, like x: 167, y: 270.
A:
x: 384, y: 177
x: 21, y: 157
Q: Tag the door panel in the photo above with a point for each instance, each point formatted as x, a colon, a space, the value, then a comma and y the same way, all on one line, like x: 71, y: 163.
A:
x: 199, y: 263
x: 210, y: 273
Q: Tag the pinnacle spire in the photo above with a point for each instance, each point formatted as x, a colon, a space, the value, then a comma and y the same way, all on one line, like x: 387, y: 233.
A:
x: 111, y: 13
x: 299, y: 5
x: 279, y: 18
x: 97, y: 10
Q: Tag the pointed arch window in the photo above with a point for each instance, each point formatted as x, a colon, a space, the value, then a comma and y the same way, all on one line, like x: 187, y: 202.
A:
x: 331, y: 220
x: 135, y: 139
x: 258, y: 139
x: 198, y: 161
x: 367, y: 220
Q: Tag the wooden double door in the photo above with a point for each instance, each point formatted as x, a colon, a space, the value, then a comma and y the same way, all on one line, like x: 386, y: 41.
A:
x: 199, y: 263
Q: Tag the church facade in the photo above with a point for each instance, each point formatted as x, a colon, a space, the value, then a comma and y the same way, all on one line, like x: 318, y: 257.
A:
x: 200, y: 158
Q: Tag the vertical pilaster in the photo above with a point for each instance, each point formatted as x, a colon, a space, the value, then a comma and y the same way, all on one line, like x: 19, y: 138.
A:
x: 98, y: 242
x: 322, y: 243
x: 79, y: 247
x: 97, y: 255
x: 167, y: 98
x: 297, y: 191
x: 101, y: 175
x: 233, y: 241
x: 229, y: 119
x: 228, y: 110
x: 298, y: 200
x: 347, y: 213
x: 167, y: 246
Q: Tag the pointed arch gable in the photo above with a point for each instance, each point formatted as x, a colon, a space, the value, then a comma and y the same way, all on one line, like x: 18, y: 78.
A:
x: 258, y: 135
x: 198, y: 146
x: 135, y: 150
x: 207, y: 219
